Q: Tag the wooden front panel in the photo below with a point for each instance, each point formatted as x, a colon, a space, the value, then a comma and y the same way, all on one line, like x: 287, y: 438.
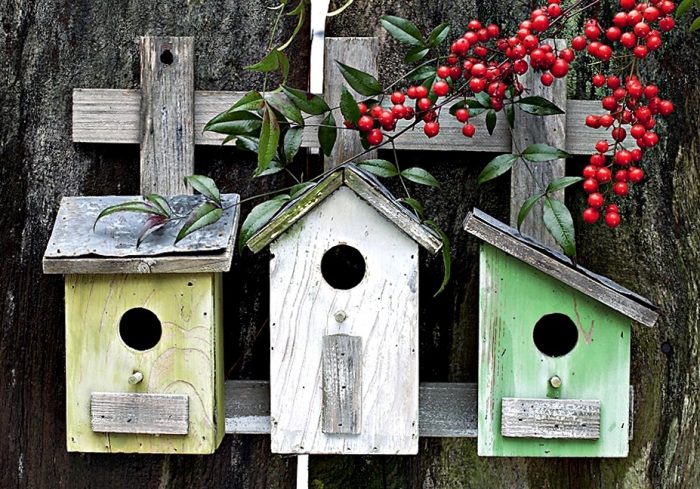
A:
x: 550, y: 418
x: 149, y: 414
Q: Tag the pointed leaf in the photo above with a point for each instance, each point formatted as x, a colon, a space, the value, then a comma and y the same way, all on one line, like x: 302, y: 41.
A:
x: 543, y: 152
x: 483, y: 99
x: 307, y: 102
x: 446, y: 256
x: 269, y: 63
x: 285, y: 107
x: 416, y: 54
x: 510, y: 115
x: 381, y: 168
x: 299, y: 11
x: 527, y: 207
x: 538, y: 106
x: 419, y: 175
x: 438, y: 35
x: 415, y: 205
x: 275, y: 166
x: 695, y: 25
x: 327, y: 133
x: 402, y: 30
x: 683, y: 7
x: 300, y: 188
x: 497, y: 167
x: 269, y: 138
x: 258, y: 217
x: 283, y: 65
x: 247, y: 143
x: 292, y: 143
x: 363, y: 83
x: 250, y: 101
x: 562, y: 183
x: 559, y: 223
x: 160, y: 202
x: 205, y: 186
x: 136, y: 206
x: 348, y: 106
x: 421, y: 73
x: 152, y: 224
x: 491, y: 121
x: 204, y: 215
x: 234, y: 123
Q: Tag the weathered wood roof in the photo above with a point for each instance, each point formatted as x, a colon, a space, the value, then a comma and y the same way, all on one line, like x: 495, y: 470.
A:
x: 366, y: 186
x: 111, y: 248
x: 559, y: 266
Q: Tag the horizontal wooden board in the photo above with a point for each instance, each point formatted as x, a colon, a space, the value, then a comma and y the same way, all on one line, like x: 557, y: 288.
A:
x: 550, y: 418
x: 151, y: 414
x: 112, y: 116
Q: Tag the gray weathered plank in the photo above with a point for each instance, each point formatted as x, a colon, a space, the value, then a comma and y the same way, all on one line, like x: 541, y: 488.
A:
x: 550, y: 418
x: 167, y: 114
x: 247, y: 407
x: 527, y: 178
x: 341, y: 374
x: 154, y: 414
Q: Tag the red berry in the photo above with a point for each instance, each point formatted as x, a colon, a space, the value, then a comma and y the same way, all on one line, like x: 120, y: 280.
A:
x: 593, y: 121
x: 651, y: 14
x: 547, y: 79
x: 595, y: 200
x: 386, y: 119
x: 628, y: 4
x: 443, y: 71
x: 590, y: 185
x: 462, y: 115
x: 375, y: 137
x: 598, y: 159
x: 621, y: 176
x: 628, y: 40
x: 592, y: 31
x: 613, y: 34
x: 604, y: 52
x: 666, y: 108
x: 635, y: 174
x: 579, y: 43
x: 642, y: 29
x: 477, y: 85
x: 398, y: 98
x: 641, y: 51
x: 362, y: 107
x: 598, y: 80
x: 567, y: 55
x: 431, y: 129
x: 589, y: 171
x: 613, y: 82
x: 612, y: 208
x: 590, y: 215
x: 440, y: 88
x: 620, y: 20
x: 560, y: 68
x: 623, y: 157
x: 638, y: 131
x: 468, y: 130
x: 650, y: 139
x: 621, y: 189
x: 554, y: 10
x: 365, y: 123
x: 653, y: 43
x: 411, y: 92
x: 399, y: 111
x: 612, y: 219
x: 376, y: 111
x: 619, y: 134
x: 666, y: 24
x: 602, y: 146
x: 424, y: 104
x: 603, y: 175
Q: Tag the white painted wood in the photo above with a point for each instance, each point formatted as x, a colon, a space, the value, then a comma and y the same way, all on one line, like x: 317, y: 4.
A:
x: 382, y: 310
x: 302, y: 472
x: 342, y: 383
x: 153, y: 414
x: 319, y: 11
x: 550, y: 418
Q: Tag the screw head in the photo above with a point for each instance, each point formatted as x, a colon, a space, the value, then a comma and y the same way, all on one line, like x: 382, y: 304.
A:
x: 555, y: 382
x: 340, y: 316
x: 135, y: 378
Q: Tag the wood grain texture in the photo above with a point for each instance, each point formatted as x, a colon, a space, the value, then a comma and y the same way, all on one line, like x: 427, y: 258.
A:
x: 341, y: 374
x: 528, y: 178
x: 147, y: 414
x: 550, y: 418
x: 382, y: 309
x: 167, y: 114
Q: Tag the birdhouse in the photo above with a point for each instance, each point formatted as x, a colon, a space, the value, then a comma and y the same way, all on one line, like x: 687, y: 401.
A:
x: 344, y: 319
x: 144, y: 337
x: 554, y: 351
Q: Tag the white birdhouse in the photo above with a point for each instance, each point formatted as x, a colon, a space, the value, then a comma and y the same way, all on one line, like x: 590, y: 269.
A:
x: 344, y: 319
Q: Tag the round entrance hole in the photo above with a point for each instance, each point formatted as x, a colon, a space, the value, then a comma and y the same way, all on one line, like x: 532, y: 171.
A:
x: 343, y: 267
x: 140, y: 329
x: 555, y: 335
x: 166, y: 57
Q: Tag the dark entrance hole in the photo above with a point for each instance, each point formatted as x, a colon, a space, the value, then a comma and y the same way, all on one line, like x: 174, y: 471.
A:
x: 140, y: 329
x: 167, y: 57
x: 343, y: 267
x: 555, y: 335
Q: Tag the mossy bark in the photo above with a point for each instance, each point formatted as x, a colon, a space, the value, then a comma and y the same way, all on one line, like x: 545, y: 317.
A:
x: 52, y: 46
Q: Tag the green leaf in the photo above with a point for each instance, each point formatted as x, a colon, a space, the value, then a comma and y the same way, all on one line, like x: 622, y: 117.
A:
x: 269, y: 138
x: 152, y: 224
x: 205, y: 186
x: 416, y: 54
x: 402, y: 30
x: 327, y: 133
x: 247, y: 143
x: 415, y: 205
x: 446, y: 256
x: 483, y: 99
x: 292, y: 143
x: 137, y: 206
x: 284, y: 66
x: 497, y: 167
x: 538, y: 106
x: 161, y: 203
x: 299, y: 11
x: 363, y: 83
x: 558, y: 221
x: 250, y: 101
x: 381, y: 168
x: 421, y: 176
x: 275, y: 166
x: 300, y: 188
x: 348, y: 106
x: 307, y: 102
x: 543, y: 152
x: 527, y: 207
x: 270, y: 62
x: 204, y: 215
x: 283, y: 105
x: 695, y: 25
x: 562, y: 183
x: 491, y: 121
x: 683, y: 7
x: 510, y: 115
x: 235, y: 123
x: 421, y: 73
x: 258, y: 217
x: 438, y: 35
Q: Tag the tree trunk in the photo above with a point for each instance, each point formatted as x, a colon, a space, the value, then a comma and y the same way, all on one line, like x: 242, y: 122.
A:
x: 53, y: 46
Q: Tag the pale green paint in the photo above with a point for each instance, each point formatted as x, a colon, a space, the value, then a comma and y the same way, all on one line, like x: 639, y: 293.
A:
x: 187, y: 360
x: 513, y: 297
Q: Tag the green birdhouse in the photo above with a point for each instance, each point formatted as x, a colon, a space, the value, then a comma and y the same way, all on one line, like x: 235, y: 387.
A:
x: 554, y: 351
x: 144, y: 334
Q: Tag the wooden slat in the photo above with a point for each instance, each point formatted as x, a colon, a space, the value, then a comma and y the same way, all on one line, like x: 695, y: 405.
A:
x: 167, y: 114
x: 527, y: 178
x: 153, y: 414
x: 319, y: 12
x: 341, y: 374
x: 247, y: 407
x: 112, y: 116
x: 550, y: 418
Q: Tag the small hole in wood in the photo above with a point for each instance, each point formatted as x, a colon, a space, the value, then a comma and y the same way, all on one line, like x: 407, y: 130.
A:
x: 555, y: 335
x: 166, y: 57
x: 343, y: 267
x: 140, y: 329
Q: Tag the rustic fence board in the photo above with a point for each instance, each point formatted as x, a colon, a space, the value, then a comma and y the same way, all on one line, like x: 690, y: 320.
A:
x: 154, y: 414
x: 550, y: 418
x: 342, y: 384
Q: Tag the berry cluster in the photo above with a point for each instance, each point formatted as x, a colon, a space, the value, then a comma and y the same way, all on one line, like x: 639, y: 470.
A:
x: 630, y: 105
x: 373, y: 119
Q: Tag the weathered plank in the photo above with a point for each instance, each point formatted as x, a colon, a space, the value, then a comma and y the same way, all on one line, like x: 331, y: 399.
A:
x: 152, y: 414
x: 341, y: 374
x: 167, y: 114
x: 527, y: 178
x: 247, y: 407
x: 319, y: 12
x: 550, y: 418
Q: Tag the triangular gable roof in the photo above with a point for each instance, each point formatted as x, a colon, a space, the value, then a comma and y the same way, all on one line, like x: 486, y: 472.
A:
x: 560, y: 267
x: 367, y: 187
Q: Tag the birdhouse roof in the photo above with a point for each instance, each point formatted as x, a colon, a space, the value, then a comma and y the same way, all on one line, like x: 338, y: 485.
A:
x: 367, y: 187
x: 559, y: 266
x: 75, y: 248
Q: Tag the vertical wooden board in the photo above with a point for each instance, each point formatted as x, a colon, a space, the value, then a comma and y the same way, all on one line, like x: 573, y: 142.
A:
x: 182, y: 362
x: 513, y: 297
x: 382, y: 310
x: 342, y: 383
x: 219, y: 368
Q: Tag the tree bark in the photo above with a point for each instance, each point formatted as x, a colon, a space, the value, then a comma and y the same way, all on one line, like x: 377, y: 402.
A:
x: 50, y: 47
